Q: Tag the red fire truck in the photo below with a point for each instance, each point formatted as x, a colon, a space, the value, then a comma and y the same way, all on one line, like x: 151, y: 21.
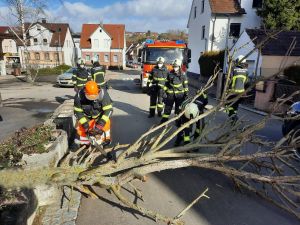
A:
x: 170, y: 50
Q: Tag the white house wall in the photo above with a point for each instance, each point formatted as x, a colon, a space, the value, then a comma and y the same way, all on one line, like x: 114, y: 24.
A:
x: 195, y: 43
x: 40, y: 35
x: 104, y: 41
x: 9, y: 46
x: 243, y: 46
x: 250, y: 20
x: 69, y: 49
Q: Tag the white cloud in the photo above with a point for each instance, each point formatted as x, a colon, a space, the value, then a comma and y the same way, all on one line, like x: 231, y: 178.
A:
x: 137, y: 15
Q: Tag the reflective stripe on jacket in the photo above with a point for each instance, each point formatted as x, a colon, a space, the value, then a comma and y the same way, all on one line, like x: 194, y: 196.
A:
x: 98, y: 75
x: 80, y: 77
x: 239, y: 80
x: 101, y: 110
x: 176, y: 83
x: 158, y: 76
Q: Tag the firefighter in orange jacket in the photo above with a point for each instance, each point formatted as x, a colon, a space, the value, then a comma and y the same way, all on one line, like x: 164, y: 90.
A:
x: 93, y: 109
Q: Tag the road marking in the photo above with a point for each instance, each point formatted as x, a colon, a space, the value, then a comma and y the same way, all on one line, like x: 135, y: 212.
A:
x: 128, y: 79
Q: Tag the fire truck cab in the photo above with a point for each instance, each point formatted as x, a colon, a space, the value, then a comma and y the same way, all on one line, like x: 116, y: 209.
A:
x: 170, y: 50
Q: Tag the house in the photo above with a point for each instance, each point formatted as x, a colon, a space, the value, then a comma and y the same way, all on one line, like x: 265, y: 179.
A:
x: 216, y: 24
x: 268, y: 59
x: 107, y: 42
x: 50, y: 44
x: 9, y: 52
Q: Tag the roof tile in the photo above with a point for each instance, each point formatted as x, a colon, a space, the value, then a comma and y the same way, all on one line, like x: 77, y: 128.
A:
x: 226, y: 7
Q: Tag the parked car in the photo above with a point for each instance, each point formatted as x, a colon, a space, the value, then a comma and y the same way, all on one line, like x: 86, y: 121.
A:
x: 131, y: 64
x: 65, y: 79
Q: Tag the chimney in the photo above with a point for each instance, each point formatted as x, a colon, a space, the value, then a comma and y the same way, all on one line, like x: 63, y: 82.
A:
x: 44, y: 20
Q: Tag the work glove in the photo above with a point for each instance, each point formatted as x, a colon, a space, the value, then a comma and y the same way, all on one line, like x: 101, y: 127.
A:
x: 99, y: 129
x: 86, y: 127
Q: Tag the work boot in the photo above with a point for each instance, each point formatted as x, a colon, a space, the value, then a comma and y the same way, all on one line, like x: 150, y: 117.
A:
x: 151, y: 115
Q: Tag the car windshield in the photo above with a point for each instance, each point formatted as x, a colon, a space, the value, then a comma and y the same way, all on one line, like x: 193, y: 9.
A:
x: 70, y: 70
x: 170, y: 54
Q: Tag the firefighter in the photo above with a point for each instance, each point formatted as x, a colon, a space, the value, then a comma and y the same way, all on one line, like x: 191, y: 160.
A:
x: 93, y: 109
x: 192, y: 110
x: 237, y: 86
x: 176, y: 89
x: 98, y: 73
x: 80, y: 75
x: 155, y: 85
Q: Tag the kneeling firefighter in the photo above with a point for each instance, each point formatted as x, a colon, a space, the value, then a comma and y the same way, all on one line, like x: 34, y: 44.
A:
x: 156, y: 84
x: 191, y: 111
x: 93, y: 109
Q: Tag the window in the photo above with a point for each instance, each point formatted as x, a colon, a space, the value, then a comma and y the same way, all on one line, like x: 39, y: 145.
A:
x: 106, y: 58
x: 97, y: 57
x: 45, y: 41
x: 27, y: 56
x: 257, y: 4
x: 47, y: 56
x: 202, y: 6
x: 35, y: 41
x: 37, y: 56
x: 115, y: 58
x: 235, y: 29
x: 203, y: 32
x: 87, y: 57
x: 195, y: 12
x: 56, y: 57
x: 96, y: 43
x: 38, y: 27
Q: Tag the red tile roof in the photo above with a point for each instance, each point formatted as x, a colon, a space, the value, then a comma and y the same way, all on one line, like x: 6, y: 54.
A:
x: 226, y: 7
x: 3, y: 29
x: 116, y: 32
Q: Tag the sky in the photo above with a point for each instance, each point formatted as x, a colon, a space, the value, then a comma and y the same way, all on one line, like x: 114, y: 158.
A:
x: 137, y: 15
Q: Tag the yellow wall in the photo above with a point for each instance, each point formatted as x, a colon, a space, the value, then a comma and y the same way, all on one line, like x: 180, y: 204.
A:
x: 271, y: 64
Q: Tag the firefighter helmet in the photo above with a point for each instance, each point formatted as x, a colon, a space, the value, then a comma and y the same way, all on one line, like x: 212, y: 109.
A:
x: 240, y: 59
x: 177, y: 62
x: 191, y: 111
x: 160, y: 60
x: 91, y: 90
x: 81, y: 62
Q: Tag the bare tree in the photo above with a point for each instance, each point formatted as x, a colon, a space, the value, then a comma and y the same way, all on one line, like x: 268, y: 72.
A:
x: 23, y: 14
x: 269, y: 169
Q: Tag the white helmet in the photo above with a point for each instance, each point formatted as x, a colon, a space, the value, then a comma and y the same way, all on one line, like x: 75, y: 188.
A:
x: 160, y: 60
x: 81, y: 62
x: 191, y: 111
x: 177, y: 62
x: 240, y: 59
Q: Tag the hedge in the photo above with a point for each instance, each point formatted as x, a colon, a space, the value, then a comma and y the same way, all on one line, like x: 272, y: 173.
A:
x: 293, y: 73
x: 208, y: 62
x: 54, y: 71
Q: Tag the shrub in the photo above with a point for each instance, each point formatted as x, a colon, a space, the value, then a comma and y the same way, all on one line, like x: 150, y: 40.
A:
x: 55, y: 70
x: 208, y: 62
x: 293, y: 73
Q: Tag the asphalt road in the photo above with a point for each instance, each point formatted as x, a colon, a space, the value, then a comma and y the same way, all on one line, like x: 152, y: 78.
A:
x: 167, y: 192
